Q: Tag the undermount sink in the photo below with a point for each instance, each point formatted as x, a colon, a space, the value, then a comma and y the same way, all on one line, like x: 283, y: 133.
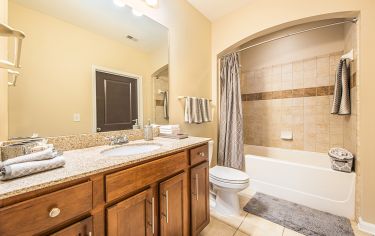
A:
x: 131, y: 149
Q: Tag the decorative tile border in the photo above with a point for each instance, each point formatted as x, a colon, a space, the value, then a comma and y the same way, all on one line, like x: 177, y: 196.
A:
x: 295, y: 93
x: 159, y: 103
x: 291, y: 93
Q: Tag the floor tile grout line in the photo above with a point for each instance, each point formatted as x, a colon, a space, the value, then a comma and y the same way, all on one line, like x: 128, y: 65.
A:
x: 238, y: 228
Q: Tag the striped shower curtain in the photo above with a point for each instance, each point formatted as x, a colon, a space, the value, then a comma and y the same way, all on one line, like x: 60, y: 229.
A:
x: 231, y: 152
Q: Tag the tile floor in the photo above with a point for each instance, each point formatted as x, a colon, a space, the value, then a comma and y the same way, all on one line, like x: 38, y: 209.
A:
x: 247, y: 224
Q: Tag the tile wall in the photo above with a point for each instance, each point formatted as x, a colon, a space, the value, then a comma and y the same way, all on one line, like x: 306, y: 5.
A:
x: 297, y: 97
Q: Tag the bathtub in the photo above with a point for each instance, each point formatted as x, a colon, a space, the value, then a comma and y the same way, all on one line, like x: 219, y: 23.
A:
x: 302, y: 177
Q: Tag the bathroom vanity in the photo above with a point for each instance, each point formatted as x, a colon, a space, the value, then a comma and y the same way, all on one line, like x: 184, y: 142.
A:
x: 163, y: 192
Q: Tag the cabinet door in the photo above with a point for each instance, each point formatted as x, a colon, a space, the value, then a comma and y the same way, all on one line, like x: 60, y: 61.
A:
x: 133, y: 216
x: 82, y: 228
x: 174, y: 213
x: 200, y: 208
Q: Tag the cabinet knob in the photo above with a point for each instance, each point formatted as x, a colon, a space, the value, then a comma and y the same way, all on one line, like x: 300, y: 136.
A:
x: 98, y: 129
x: 54, y: 212
x: 201, y: 154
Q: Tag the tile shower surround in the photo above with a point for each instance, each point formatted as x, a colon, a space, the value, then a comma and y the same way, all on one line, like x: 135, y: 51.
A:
x: 295, y: 96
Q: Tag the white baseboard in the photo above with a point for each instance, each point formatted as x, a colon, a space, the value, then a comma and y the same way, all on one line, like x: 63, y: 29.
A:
x: 366, y: 227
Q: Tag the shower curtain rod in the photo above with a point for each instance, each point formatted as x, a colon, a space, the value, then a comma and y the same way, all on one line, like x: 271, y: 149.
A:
x: 354, y: 20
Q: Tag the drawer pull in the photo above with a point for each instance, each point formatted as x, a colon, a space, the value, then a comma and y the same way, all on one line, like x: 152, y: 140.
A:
x: 153, y: 215
x: 201, y: 154
x: 166, y: 206
x: 197, y: 186
x: 54, y: 212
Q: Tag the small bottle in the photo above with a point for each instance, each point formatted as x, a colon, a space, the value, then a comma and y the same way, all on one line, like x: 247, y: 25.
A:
x: 148, y: 132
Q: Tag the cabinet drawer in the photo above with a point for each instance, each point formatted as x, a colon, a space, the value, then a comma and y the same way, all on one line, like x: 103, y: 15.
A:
x: 82, y: 228
x: 41, y: 213
x: 199, y: 154
x: 129, y: 180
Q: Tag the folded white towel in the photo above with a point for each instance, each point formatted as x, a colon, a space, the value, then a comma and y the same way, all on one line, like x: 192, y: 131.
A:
x: 170, y: 132
x: 38, y: 148
x: 49, y: 153
x: 169, y: 127
x: 27, y: 168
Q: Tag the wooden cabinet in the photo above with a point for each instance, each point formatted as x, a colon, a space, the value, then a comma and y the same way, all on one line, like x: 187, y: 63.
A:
x: 200, y: 208
x: 165, y: 196
x: 199, y: 154
x: 39, y: 214
x: 174, y: 210
x: 124, y: 182
x: 133, y: 216
x: 82, y: 228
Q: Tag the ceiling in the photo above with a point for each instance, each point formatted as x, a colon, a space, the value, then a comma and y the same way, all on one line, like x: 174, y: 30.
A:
x: 105, y: 18
x: 214, y: 9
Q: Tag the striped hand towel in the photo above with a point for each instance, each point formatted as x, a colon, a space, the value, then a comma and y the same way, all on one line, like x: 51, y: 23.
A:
x: 197, y: 110
x: 341, y: 95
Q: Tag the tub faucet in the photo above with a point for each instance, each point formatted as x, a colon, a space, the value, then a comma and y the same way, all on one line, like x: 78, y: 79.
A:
x: 118, y: 140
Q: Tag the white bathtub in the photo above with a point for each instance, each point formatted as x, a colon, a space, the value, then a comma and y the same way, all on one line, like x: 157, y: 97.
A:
x: 302, y: 177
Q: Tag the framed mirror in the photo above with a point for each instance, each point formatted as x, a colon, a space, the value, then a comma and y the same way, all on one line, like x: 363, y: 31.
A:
x: 87, y: 66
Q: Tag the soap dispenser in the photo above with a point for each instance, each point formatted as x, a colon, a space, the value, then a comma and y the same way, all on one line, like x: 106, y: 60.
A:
x: 136, y: 125
x: 148, y: 132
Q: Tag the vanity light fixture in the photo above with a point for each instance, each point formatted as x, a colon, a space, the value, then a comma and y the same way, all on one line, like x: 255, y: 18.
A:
x: 119, y: 3
x: 152, y: 3
x: 137, y: 13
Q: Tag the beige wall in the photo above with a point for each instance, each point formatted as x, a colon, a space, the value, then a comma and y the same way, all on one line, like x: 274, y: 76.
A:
x: 267, y: 14
x: 3, y: 76
x: 56, y: 79
x: 296, y: 48
x: 190, y: 49
x: 159, y: 58
x: 189, y: 54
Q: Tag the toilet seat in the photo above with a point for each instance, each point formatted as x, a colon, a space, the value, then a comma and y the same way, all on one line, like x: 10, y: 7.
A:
x: 228, y: 175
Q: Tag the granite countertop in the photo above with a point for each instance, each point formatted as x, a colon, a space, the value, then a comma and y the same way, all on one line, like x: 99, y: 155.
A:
x: 85, y: 162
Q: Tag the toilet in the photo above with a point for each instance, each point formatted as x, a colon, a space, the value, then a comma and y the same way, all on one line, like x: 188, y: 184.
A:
x: 226, y: 183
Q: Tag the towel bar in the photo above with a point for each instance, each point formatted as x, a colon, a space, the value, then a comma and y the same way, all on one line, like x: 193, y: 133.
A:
x: 182, y: 97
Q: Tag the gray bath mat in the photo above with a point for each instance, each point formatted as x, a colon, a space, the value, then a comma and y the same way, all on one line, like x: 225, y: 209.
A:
x: 299, y: 218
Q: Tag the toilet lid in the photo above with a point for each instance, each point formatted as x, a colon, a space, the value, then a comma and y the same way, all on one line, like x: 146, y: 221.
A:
x: 227, y: 174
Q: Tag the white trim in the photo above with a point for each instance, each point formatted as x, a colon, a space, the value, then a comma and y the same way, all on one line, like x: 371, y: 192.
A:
x: 366, y: 227
x: 96, y: 68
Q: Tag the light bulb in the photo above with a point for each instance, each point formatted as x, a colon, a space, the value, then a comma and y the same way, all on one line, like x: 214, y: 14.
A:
x: 152, y: 3
x: 119, y: 3
x: 137, y: 13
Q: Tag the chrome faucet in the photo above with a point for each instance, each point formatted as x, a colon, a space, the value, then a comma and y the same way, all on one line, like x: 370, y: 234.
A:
x: 118, y: 140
